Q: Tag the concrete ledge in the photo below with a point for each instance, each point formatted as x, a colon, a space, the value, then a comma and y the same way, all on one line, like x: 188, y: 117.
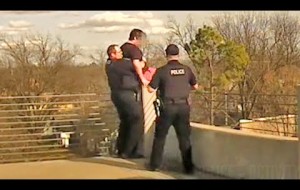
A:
x: 241, y: 132
x: 233, y: 153
x: 245, y: 155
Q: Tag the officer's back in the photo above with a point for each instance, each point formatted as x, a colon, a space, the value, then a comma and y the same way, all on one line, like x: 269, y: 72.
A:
x: 173, y: 80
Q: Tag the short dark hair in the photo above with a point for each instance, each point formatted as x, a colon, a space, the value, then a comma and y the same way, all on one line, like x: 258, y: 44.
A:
x: 111, y: 49
x: 172, y: 49
x: 136, y: 33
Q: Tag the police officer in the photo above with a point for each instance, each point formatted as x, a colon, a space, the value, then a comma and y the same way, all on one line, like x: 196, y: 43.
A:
x: 174, y: 82
x: 131, y: 50
x: 124, y: 86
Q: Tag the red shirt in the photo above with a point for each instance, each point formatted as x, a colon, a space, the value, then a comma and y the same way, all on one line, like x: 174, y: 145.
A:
x: 148, y: 74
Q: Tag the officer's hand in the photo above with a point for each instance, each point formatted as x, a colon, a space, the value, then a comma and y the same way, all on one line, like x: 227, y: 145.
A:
x: 202, y: 89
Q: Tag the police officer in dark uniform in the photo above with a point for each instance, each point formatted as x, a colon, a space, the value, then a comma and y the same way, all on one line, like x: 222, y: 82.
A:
x: 124, y: 87
x: 174, y: 82
x: 131, y: 50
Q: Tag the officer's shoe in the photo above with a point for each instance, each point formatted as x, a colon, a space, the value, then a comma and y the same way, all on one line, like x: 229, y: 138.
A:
x: 152, y: 168
x: 116, y: 155
x: 124, y: 156
x: 189, y: 171
x: 137, y: 156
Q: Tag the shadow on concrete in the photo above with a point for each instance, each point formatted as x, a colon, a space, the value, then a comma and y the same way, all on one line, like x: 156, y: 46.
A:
x: 136, y: 164
x: 140, y: 164
x: 210, y: 175
x: 177, y: 170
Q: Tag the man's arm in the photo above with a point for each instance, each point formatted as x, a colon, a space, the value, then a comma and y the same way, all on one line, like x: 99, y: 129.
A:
x: 138, y: 68
x: 193, y: 81
x: 138, y: 63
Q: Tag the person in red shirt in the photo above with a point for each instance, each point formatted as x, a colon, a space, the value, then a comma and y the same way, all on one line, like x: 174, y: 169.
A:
x: 148, y: 72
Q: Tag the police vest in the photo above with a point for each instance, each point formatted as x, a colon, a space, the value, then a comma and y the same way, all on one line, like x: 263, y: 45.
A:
x: 175, y: 82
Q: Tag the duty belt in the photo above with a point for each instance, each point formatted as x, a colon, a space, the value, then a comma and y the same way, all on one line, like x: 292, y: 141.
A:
x: 175, y: 100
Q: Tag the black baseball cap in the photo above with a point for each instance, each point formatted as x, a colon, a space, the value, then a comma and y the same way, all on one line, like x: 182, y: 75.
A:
x: 172, y: 49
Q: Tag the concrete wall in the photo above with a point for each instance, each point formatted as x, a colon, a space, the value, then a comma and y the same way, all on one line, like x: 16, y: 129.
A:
x: 231, y: 153
x: 246, y: 155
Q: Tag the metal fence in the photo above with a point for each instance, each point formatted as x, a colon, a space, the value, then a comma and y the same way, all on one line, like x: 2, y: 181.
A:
x: 261, y: 113
x: 55, y: 126
x: 34, y: 128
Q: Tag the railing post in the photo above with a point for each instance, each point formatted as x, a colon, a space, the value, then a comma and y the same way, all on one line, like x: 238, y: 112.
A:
x: 298, y: 131
x: 226, y: 108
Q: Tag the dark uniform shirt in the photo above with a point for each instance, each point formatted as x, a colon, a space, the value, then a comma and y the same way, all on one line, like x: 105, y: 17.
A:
x: 121, y: 75
x: 173, y: 80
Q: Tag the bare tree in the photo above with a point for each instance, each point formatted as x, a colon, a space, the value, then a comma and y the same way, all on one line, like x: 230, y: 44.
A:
x: 154, y: 52
x: 99, y: 57
x: 33, y: 62
x: 271, y: 40
x: 181, y: 34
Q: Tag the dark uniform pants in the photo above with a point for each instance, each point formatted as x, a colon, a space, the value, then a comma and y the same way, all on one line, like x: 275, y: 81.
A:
x: 177, y: 115
x: 131, y: 128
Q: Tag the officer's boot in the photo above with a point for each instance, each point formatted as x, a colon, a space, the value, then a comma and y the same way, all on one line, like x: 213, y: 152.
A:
x: 187, y: 161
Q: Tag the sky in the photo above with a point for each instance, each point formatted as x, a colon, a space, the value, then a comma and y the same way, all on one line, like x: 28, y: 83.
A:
x: 94, y: 30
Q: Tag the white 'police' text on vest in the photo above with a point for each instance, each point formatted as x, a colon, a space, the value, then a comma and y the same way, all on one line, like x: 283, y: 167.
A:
x: 175, y: 72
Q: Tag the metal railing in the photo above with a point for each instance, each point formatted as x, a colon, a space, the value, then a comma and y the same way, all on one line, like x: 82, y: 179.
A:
x: 55, y: 126
x: 261, y: 113
x: 34, y: 128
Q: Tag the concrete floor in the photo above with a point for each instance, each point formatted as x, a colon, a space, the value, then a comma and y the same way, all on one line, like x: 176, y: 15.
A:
x: 89, y: 168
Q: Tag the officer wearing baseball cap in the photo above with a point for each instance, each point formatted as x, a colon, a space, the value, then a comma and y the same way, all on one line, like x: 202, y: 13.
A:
x: 174, y: 82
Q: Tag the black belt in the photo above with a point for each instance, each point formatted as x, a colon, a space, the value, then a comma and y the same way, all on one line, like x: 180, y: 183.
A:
x: 175, y: 100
